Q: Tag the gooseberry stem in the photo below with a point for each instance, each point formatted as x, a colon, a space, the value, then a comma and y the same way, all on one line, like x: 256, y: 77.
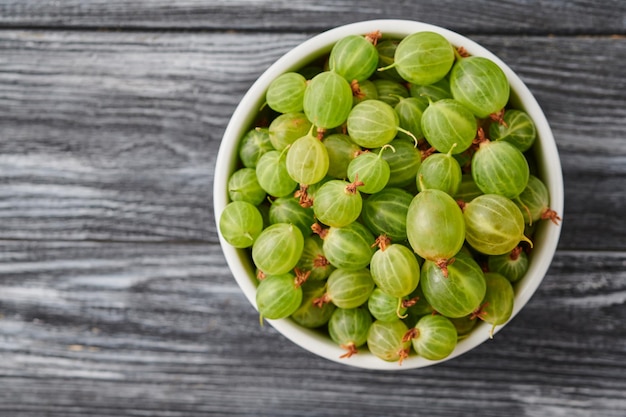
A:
x: 320, y: 301
x: 382, y: 242
x: 548, y: 213
x: 515, y: 253
x: 460, y: 53
x: 410, y: 334
x: 320, y: 261
x: 374, y: 37
x: 301, y: 277
x: 351, y: 350
x: 303, y: 196
x: 387, y: 146
x: 399, y: 307
x: 443, y: 265
x: 498, y: 117
x: 411, y: 135
x: 319, y: 230
x: 352, y: 188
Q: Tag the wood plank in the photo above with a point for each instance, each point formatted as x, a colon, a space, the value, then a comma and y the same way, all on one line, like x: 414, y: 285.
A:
x: 528, y: 17
x: 113, y: 136
x: 100, y: 329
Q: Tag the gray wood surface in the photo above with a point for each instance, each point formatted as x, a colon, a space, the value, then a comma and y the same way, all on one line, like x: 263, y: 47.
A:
x: 115, y: 299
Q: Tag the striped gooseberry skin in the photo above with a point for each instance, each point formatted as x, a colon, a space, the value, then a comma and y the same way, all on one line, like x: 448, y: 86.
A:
x: 354, y: 58
x: 420, y: 308
x: 410, y: 110
x: 534, y: 200
x: 272, y: 174
x: 464, y: 325
x: 278, y: 296
x: 449, y: 126
x: 440, y: 171
x: 349, y: 288
x: 253, y: 145
x: 424, y: 57
x: 385, y: 340
x: 500, y: 168
x: 308, y: 314
x: 512, y: 265
x: 336, y: 204
x: 431, y: 92
x: 244, y: 186
x: 366, y: 91
x: 385, y: 307
x: 349, y: 247
x: 286, y: 128
x: 395, y: 270
x: 480, y: 84
x: 389, y: 91
x: 349, y: 327
x: 497, y: 306
x: 403, y: 163
x: 468, y: 190
x: 385, y: 213
x: 286, y: 93
x: 278, y: 248
x: 372, y: 124
x: 341, y: 151
x: 434, y: 337
x: 518, y: 129
x: 314, y: 260
x: 386, y: 52
x: 435, y: 226
x: 288, y: 210
x: 327, y: 100
x: 494, y: 225
x: 458, y: 294
x: 307, y: 160
x: 370, y: 169
x: 240, y: 224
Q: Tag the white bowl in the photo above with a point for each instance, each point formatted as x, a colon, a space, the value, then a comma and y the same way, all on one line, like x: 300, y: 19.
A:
x: 545, y: 150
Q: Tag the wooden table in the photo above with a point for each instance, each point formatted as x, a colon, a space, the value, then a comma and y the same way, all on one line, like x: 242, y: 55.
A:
x: 115, y: 299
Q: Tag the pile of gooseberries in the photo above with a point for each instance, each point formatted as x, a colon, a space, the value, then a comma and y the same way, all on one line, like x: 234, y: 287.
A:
x: 387, y: 196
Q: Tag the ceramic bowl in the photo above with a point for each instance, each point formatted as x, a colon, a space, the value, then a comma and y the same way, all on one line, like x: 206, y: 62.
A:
x: 545, y: 152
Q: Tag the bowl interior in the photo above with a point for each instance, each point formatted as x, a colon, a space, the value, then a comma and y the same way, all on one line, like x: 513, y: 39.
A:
x: 545, y: 151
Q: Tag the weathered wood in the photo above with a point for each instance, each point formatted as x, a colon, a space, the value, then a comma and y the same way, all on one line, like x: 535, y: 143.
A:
x: 113, y: 136
x: 505, y: 17
x: 100, y: 329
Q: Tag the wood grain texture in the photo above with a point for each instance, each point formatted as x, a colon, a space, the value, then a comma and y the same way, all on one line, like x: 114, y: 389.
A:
x: 115, y: 299
x: 113, y: 136
x: 101, y: 329
x: 503, y: 17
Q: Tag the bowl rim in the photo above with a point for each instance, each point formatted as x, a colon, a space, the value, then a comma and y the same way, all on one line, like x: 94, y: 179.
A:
x: 547, y: 158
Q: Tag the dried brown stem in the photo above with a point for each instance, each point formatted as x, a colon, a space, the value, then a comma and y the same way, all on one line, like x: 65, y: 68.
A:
x: 319, y: 230
x: 412, y: 333
x: 320, y: 301
x: 515, y: 253
x: 443, y: 265
x: 480, y: 312
x: 352, y: 188
x: 498, y: 117
x: 548, y: 213
x: 351, y: 350
x: 374, y: 37
x: 382, y: 242
x: 301, y: 277
x: 320, y: 261
x: 427, y: 152
x: 303, y: 196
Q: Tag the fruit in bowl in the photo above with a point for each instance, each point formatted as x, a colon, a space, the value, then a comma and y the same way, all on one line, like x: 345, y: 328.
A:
x: 388, y: 192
